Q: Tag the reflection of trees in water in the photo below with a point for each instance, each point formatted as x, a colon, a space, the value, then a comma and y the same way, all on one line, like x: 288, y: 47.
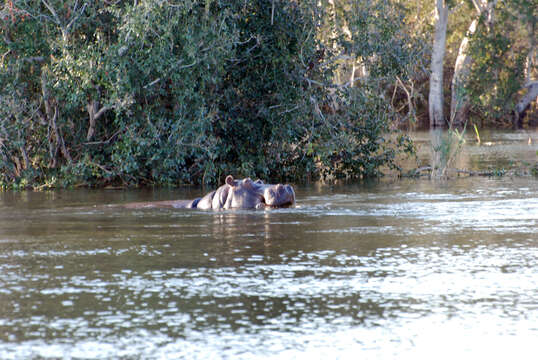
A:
x: 456, y: 153
x: 240, y: 234
x: 447, y: 152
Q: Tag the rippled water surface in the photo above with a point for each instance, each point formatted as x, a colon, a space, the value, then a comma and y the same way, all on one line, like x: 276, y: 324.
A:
x: 404, y: 269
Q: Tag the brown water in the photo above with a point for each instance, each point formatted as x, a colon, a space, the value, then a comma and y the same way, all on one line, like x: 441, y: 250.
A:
x: 394, y: 269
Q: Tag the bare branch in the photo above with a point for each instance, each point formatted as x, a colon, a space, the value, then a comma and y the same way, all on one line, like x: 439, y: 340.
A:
x: 3, y: 56
x: 102, y: 111
x: 296, y: 107
x: 188, y: 66
x: 94, y: 114
x: 272, y: 11
x: 57, y: 21
x: 53, y: 12
x: 76, y: 16
x: 152, y: 83
x: 409, y: 96
x: 479, y: 5
x: 105, y: 141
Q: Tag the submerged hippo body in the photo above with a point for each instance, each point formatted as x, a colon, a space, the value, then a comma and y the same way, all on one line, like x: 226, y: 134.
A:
x: 235, y: 194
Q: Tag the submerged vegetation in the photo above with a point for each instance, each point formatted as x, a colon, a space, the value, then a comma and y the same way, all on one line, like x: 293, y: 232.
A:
x: 170, y: 92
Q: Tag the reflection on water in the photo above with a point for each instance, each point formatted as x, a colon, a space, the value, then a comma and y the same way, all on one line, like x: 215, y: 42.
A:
x: 496, y: 150
x: 387, y: 270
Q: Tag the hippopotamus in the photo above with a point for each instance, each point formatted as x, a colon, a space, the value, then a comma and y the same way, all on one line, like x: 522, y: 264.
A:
x: 234, y: 194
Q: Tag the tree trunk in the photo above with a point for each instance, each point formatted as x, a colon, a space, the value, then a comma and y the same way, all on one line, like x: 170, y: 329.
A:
x: 438, y: 54
x: 53, y: 130
x: 94, y: 113
x: 525, y: 102
x: 531, y: 85
x: 531, y: 63
x: 92, y: 108
x: 459, y: 104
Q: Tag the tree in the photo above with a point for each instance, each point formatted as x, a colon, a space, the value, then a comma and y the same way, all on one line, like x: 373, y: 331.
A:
x: 436, y: 100
x: 459, y: 105
x: 168, y: 92
x: 530, y: 83
x: 504, y: 51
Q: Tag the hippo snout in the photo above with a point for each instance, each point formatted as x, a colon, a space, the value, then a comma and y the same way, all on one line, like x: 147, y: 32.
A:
x: 279, y: 195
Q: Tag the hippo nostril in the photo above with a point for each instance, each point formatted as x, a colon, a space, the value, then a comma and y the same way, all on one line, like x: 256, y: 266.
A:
x: 279, y: 188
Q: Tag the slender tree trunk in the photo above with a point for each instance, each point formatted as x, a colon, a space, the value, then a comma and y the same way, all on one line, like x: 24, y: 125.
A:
x: 52, y: 115
x: 531, y: 85
x: 530, y: 63
x: 94, y: 113
x: 438, y: 54
x: 459, y: 104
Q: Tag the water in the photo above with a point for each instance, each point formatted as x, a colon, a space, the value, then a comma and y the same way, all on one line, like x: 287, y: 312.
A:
x: 394, y: 269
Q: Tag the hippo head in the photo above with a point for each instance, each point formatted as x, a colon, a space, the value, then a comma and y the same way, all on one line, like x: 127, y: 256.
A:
x: 247, y: 194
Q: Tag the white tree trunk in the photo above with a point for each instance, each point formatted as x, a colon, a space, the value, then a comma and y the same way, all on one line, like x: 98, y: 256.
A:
x: 459, y: 104
x: 531, y: 62
x: 438, y: 55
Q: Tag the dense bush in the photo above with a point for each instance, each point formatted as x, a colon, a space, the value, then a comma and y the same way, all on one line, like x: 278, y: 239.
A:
x: 169, y: 92
x: 500, y: 55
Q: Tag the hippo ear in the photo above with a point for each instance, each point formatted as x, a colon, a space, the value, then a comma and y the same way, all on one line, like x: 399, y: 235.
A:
x: 230, y: 180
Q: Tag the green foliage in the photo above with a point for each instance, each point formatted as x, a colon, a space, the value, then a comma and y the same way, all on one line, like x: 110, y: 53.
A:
x: 168, y: 92
x: 499, y: 53
x: 534, y: 169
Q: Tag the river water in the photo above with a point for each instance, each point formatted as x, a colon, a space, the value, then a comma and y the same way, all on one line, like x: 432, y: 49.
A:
x: 392, y: 269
